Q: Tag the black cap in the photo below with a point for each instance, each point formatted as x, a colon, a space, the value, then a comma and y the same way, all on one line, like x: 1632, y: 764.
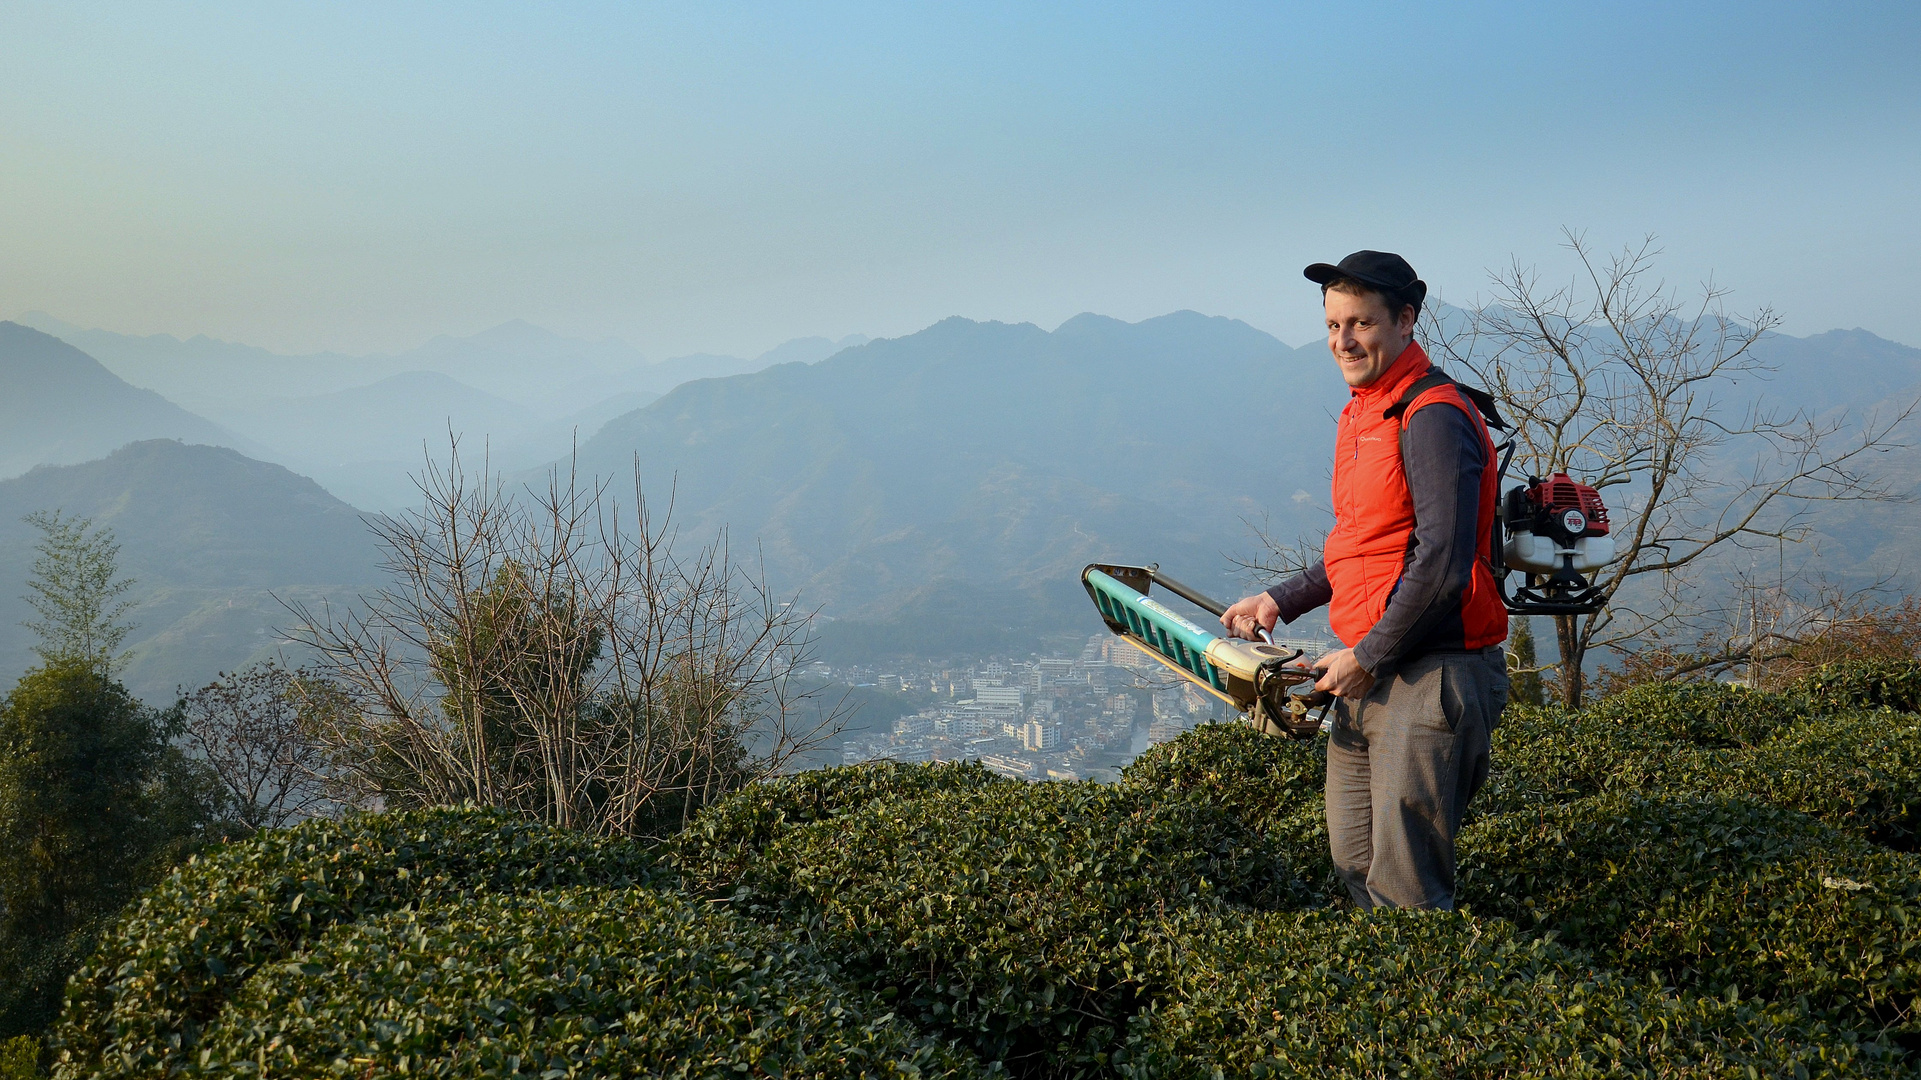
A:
x: 1383, y: 270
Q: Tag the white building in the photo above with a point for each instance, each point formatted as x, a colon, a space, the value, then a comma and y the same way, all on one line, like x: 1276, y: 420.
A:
x: 1037, y: 737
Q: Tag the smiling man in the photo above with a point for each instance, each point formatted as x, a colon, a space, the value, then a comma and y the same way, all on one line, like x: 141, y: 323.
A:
x: 1406, y: 579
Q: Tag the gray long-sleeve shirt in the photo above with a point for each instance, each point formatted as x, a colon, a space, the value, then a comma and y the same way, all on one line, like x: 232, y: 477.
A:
x: 1444, y: 460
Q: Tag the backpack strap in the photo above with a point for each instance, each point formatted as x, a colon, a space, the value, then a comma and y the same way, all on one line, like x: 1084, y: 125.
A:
x: 1482, y: 400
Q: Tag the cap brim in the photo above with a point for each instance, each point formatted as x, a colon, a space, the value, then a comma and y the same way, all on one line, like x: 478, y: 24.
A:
x: 1321, y: 273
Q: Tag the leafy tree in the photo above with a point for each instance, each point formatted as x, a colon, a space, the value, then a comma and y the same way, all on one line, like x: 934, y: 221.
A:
x: 93, y: 802
x: 76, y: 590
x: 1522, y: 665
x: 94, y: 798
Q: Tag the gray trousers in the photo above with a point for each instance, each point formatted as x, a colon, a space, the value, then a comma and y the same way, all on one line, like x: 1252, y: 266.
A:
x: 1402, y: 764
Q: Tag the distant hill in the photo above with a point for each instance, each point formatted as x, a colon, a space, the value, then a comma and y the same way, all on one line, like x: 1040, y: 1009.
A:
x: 946, y: 487
x: 548, y: 374
x: 388, y: 419
x: 357, y: 423
x: 208, y: 534
x: 1840, y: 367
x: 62, y: 406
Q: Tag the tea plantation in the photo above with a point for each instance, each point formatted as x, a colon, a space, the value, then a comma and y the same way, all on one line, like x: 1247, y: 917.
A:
x: 1677, y: 882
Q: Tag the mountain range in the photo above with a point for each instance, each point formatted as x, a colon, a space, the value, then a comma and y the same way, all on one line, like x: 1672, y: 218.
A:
x: 360, y: 424
x: 210, y: 538
x: 934, y: 494
x: 62, y: 406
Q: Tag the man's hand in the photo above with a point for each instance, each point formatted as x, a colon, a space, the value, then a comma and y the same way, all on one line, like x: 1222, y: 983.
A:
x: 1343, y: 675
x: 1251, y: 614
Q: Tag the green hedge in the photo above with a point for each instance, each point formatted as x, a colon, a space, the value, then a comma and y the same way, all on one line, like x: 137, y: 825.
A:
x: 724, y: 839
x: 1858, y: 771
x: 571, y: 982
x: 1434, y: 994
x: 169, y: 965
x: 1274, y: 785
x: 1260, y: 778
x: 1547, y: 756
x: 1702, y: 714
x: 19, y: 1058
x: 1010, y: 916
x: 1872, y: 684
x: 1712, y: 893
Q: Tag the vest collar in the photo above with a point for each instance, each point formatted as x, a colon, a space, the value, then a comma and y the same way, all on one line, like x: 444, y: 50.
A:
x: 1409, y: 366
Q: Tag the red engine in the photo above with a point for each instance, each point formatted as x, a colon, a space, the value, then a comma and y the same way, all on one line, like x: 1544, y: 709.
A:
x: 1560, y: 493
x: 1555, y: 531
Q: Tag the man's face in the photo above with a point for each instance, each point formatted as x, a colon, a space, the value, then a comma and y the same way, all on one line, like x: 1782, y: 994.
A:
x: 1363, y: 337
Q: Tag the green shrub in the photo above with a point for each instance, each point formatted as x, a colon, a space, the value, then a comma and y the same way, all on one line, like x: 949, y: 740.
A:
x: 1009, y: 916
x: 1435, y: 994
x: 1701, y: 713
x: 19, y: 1058
x: 724, y: 839
x: 570, y: 982
x: 1548, y: 756
x: 169, y: 965
x: 1869, y: 684
x: 1858, y: 771
x: 1712, y: 893
x: 1273, y: 785
x: 1260, y: 778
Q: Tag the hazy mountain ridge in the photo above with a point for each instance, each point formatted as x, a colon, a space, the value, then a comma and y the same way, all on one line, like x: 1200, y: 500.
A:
x: 210, y: 537
x: 360, y: 425
x: 547, y: 373
x: 62, y: 406
x: 999, y: 456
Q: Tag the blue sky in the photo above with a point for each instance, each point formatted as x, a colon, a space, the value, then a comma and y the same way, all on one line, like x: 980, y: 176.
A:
x: 720, y: 177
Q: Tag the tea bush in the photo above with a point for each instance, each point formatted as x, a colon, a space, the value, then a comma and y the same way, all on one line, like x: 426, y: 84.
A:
x: 1011, y: 916
x: 1858, y: 771
x: 1871, y: 684
x: 165, y: 970
x: 1272, y: 785
x: 1703, y: 713
x: 1547, y: 756
x: 1259, y: 778
x: 19, y: 1058
x: 1713, y: 894
x: 720, y: 843
x: 1404, y: 993
x: 571, y: 982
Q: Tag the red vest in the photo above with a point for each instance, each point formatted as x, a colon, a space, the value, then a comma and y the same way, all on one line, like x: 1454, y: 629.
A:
x: 1374, y: 513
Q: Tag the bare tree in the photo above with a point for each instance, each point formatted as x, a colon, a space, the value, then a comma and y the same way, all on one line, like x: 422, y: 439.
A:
x: 1618, y: 381
x: 1766, y: 634
x: 558, y: 655
x: 248, y: 725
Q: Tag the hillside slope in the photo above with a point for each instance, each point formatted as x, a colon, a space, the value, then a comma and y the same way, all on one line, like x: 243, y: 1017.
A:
x: 967, y: 472
x: 62, y: 406
x: 209, y: 536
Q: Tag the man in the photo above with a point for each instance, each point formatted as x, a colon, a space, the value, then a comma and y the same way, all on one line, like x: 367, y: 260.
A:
x: 1406, y: 578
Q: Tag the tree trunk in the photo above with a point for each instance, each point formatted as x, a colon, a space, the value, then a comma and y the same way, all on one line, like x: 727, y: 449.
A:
x: 1567, y: 633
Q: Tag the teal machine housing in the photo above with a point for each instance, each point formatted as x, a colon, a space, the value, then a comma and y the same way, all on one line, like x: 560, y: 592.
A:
x: 1257, y: 678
